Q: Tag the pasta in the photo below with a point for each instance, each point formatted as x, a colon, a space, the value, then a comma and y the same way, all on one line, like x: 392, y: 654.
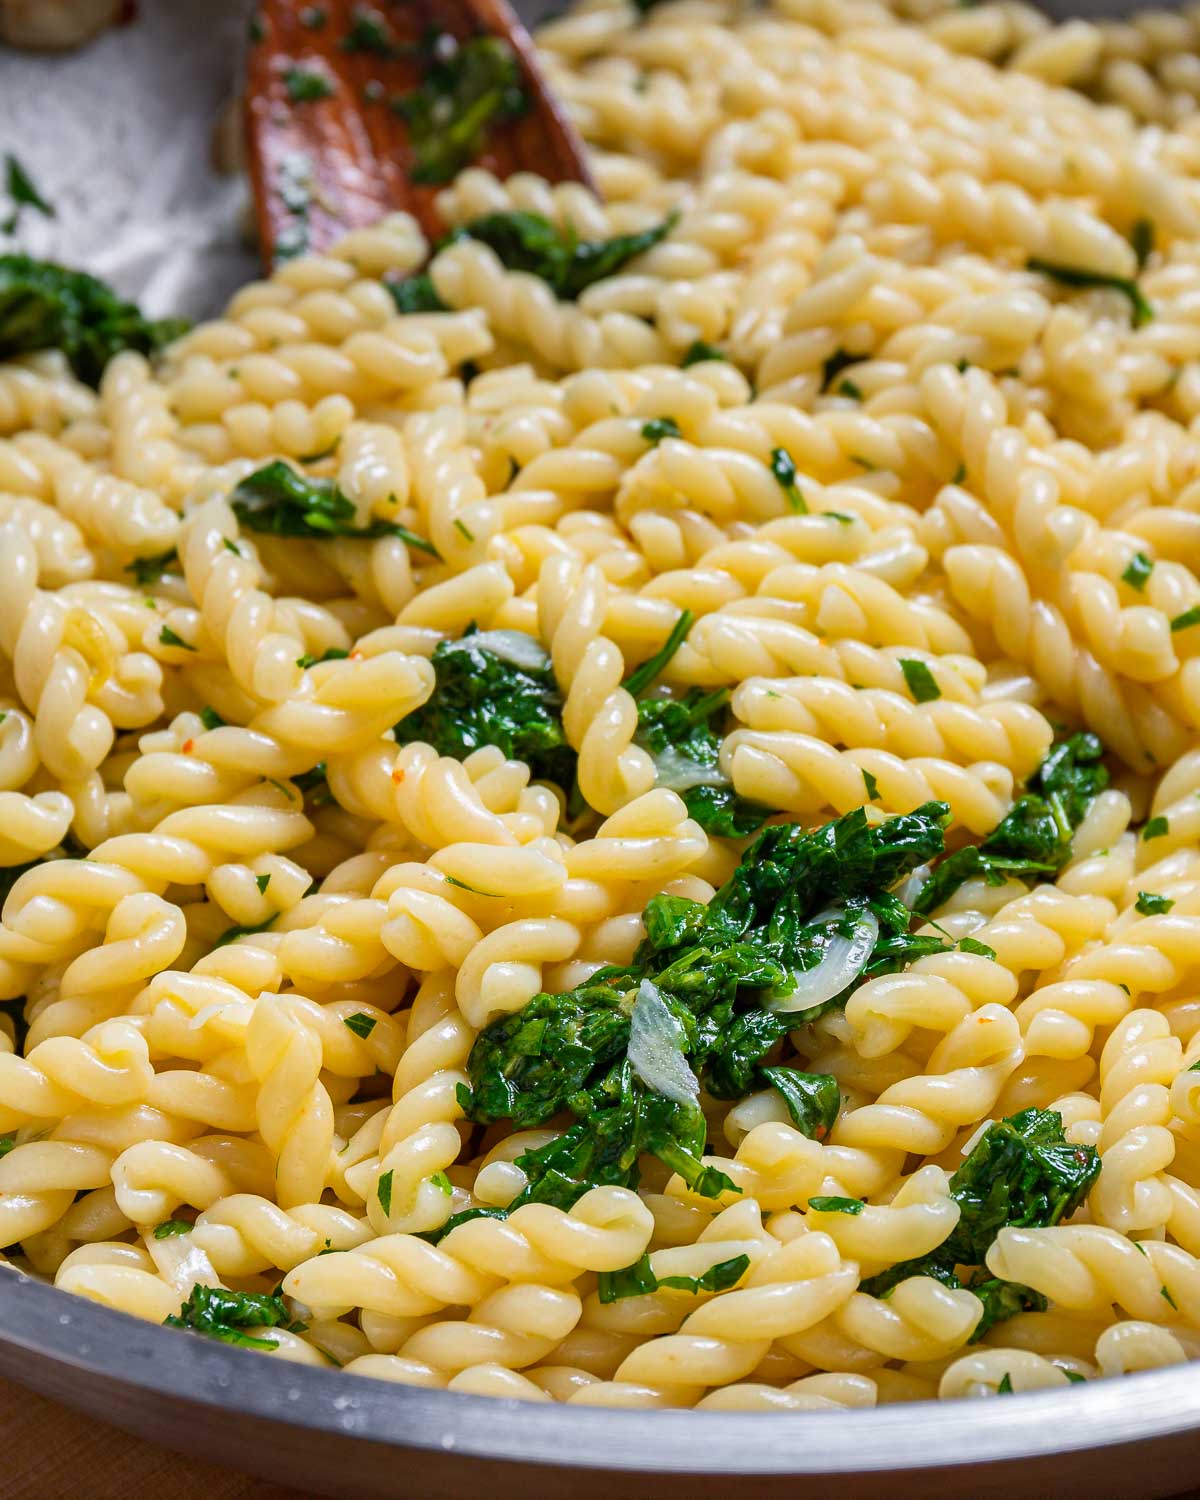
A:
x: 396, y: 670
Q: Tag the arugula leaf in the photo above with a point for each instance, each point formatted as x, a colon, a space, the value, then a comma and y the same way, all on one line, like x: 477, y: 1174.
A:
x: 837, y: 1205
x: 1156, y: 828
x: 681, y: 735
x: 480, y: 699
x: 813, y: 1099
x: 433, y: 1236
x: 416, y: 294
x: 1078, y: 276
x: 1022, y: 1171
x: 639, y: 1279
x: 568, y: 265
x: 48, y: 306
x: 262, y: 882
x: 1034, y: 837
x: 22, y: 194
x: 360, y: 1024
x: 467, y: 88
x: 1150, y: 904
x: 714, y: 966
x: 383, y: 1191
x: 224, y: 1315
x: 210, y: 718
x: 169, y: 637
x: 972, y: 945
x: 281, y: 502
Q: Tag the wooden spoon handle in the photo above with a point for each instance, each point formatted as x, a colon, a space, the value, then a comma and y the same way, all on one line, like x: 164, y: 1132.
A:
x: 329, y: 152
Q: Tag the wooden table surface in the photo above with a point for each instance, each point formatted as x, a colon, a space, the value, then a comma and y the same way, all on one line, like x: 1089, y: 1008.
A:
x: 50, y: 1453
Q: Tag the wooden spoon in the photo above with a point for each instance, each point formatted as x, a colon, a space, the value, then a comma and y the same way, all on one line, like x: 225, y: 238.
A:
x: 328, y: 148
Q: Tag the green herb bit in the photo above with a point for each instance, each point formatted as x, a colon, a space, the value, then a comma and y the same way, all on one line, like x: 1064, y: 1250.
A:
x: 7, y: 1143
x: 48, y: 306
x: 871, y: 785
x: 959, y: 474
x: 839, y: 516
x: 1078, y: 276
x: 416, y: 294
x: 231, y: 934
x: 463, y: 886
x: 168, y: 637
x: 838, y: 361
x: 638, y: 1280
x: 210, y: 718
x: 225, y: 1315
x: 1141, y: 237
x: 443, y: 1183
x: 368, y: 32
x: 567, y: 264
x: 1187, y: 619
x: 645, y: 676
x: 463, y: 529
x: 1163, y: 1292
x: 306, y: 86
x: 1139, y: 570
x: 660, y: 427
x: 836, y: 1205
x: 278, y: 500
x: 262, y: 882
x: 331, y: 653
x: 849, y: 388
x: 1075, y: 1377
x: 698, y: 351
x: 783, y: 467
x: 1156, y: 828
x: 171, y: 1227
x: 361, y: 1024
x: 468, y: 87
x: 920, y: 680
x: 148, y: 570
x: 383, y: 1191
x: 973, y: 945
x: 1005, y: 1386
x: 1150, y: 904
x: 22, y: 194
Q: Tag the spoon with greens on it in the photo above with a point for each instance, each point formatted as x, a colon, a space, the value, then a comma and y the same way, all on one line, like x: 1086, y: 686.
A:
x: 353, y: 111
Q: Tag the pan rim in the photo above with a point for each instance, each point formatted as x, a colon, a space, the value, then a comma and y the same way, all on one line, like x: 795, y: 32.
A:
x: 75, y: 1335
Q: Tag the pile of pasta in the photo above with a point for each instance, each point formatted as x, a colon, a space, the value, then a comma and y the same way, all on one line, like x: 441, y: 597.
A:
x: 1006, y: 490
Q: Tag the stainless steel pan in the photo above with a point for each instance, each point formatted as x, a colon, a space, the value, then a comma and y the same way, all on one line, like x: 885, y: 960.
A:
x: 105, y: 135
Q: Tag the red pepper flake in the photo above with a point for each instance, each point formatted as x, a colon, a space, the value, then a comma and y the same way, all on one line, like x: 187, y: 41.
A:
x: 398, y: 775
x: 188, y: 746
